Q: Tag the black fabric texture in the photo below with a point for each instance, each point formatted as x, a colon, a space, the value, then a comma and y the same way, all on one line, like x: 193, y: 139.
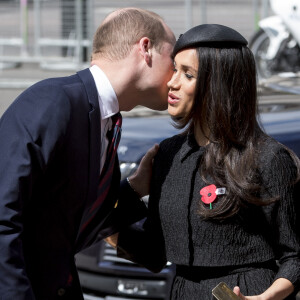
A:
x: 251, y: 249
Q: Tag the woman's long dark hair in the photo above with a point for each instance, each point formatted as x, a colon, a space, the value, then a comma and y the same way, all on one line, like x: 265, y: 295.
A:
x: 226, y: 104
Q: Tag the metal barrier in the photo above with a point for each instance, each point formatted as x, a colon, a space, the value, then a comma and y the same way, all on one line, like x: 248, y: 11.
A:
x: 70, y: 35
x: 12, y: 29
x: 57, y: 34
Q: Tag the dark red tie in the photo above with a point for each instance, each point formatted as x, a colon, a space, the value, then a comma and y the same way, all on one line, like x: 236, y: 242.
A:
x: 114, y: 137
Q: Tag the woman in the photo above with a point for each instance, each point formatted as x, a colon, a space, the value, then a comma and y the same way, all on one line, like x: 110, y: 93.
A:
x: 223, y: 194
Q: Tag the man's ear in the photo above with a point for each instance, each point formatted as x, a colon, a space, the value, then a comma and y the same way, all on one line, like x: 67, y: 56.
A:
x: 145, y: 49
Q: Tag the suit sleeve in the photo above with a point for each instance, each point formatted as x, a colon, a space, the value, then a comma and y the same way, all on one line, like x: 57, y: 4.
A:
x: 30, y: 132
x: 130, y: 208
x: 144, y: 244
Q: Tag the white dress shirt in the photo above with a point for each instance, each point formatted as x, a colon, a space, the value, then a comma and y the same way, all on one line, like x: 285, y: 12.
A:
x: 109, y: 106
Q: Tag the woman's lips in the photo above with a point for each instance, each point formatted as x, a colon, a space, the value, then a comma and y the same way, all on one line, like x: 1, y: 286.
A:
x: 172, y: 99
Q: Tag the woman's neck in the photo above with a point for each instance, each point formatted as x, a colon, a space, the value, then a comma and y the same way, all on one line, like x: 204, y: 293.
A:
x: 200, y: 137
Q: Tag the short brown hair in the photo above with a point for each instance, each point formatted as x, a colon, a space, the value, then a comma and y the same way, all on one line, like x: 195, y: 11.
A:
x: 115, y: 37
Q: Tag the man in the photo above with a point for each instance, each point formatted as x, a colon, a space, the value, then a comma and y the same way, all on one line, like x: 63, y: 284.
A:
x: 53, y: 148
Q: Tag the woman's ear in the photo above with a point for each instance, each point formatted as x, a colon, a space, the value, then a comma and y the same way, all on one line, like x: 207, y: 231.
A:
x: 145, y: 50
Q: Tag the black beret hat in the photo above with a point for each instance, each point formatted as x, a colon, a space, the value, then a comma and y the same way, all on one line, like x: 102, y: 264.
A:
x: 209, y: 35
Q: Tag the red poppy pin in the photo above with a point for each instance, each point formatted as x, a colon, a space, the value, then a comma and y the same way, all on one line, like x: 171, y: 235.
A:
x: 209, y: 194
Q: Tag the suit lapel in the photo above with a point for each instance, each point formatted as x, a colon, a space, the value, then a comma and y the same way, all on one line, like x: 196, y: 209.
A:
x: 94, y: 139
x: 101, y: 225
x: 94, y: 117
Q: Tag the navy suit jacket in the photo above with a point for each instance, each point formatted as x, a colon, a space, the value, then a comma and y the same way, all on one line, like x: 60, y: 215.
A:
x: 49, y: 172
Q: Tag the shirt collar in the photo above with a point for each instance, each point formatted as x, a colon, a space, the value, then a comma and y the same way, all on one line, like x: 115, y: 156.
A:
x: 108, y: 101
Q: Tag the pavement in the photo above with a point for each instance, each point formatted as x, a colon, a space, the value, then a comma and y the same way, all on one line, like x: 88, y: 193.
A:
x: 17, y: 78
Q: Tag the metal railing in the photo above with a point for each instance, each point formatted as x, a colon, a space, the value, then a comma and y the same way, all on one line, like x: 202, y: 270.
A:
x: 57, y: 34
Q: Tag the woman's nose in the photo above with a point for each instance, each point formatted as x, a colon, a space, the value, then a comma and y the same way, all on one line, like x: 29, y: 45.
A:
x: 174, y: 82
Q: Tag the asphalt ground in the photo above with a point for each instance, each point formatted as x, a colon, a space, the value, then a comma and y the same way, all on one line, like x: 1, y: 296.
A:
x: 14, y: 80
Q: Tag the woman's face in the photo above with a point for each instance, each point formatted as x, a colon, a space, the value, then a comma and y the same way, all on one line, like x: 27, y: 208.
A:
x: 182, y: 86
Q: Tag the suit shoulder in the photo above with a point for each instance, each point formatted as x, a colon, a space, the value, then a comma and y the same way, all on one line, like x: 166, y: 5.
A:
x: 57, y: 83
x: 44, y: 101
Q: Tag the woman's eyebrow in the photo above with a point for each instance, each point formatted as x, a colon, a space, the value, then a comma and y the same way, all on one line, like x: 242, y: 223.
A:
x: 189, y: 67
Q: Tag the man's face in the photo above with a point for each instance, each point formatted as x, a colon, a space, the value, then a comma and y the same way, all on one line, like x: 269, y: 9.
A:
x: 161, y: 73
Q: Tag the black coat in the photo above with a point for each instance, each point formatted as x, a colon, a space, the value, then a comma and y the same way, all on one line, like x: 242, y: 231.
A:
x: 208, y: 251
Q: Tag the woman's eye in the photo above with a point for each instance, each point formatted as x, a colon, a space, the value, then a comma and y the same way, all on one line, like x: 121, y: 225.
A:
x: 174, y: 70
x: 189, y: 76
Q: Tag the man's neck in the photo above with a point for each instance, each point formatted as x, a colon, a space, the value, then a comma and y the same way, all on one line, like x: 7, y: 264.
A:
x: 122, y: 78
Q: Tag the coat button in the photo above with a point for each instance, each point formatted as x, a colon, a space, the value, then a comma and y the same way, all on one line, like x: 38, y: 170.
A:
x: 61, y: 292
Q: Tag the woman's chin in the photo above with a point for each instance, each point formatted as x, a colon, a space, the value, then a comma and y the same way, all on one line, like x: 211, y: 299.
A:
x: 173, y: 112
